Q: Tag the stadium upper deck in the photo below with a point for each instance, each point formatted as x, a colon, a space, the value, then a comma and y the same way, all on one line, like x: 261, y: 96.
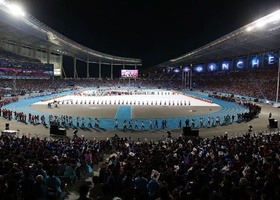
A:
x: 259, y: 37
x: 29, y: 37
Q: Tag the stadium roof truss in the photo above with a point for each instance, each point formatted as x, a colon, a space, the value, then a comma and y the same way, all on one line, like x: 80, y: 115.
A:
x: 31, y: 32
x: 261, y: 36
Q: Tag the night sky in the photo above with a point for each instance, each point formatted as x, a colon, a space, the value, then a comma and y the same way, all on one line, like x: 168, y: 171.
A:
x: 154, y: 30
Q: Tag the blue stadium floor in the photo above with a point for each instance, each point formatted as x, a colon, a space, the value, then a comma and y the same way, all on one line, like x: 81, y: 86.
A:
x: 227, y: 108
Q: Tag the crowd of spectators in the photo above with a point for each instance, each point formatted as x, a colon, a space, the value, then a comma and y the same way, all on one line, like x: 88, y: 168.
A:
x: 244, y: 167
x: 222, y: 97
x: 260, y: 83
x: 33, y: 168
x: 253, y: 109
x: 9, y: 59
x: 15, y: 87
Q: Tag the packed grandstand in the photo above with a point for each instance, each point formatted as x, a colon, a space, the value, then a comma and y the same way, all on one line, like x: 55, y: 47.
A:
x: 170, y: 167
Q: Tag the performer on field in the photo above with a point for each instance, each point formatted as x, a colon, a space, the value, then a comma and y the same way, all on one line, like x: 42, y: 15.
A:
x: 156, y: 124
x: 89, y: 123
x: 136, y: 124
x: 116, y: 126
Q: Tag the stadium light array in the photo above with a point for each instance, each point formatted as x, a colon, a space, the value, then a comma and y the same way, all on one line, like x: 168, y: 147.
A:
x: 273, y: 17
x: 261, y: 23
x: 249, y: 29
x: 16, y: 10
x: 258, y: 24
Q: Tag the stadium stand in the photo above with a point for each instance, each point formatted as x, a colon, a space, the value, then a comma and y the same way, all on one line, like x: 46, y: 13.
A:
x: 220, y: 167
x: 184, y: 168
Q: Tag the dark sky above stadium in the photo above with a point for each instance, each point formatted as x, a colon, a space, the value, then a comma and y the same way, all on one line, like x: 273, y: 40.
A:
x: 152, y: 30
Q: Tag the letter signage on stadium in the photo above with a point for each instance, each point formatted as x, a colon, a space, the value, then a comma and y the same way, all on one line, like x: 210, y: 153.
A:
x: 255, y: 61
x: 271, y: 59
x: 239, y: 64
x: 198, y: 68
x: 225, y: 65
x: 211, y: 67
x: 186, y: 68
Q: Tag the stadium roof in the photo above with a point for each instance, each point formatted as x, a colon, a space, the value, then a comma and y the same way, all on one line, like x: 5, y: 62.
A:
x: 27, y: 30
x: 261, y: 36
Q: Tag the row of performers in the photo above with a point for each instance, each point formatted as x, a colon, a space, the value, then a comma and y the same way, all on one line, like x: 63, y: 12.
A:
x: 123, y: 102
x: 114, y: 93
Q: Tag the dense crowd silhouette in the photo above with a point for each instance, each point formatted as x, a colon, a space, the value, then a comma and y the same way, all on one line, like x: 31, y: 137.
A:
x: 245, y: 167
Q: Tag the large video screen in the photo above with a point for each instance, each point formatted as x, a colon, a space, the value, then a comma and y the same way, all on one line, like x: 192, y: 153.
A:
x: 7, y: 70
x: 129, y: 73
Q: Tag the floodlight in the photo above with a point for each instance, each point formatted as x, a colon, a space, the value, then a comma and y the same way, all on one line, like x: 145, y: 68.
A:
x: 260, y: 23
x: 249, y: 29
x: 16, y: 10
x: 275, y: 17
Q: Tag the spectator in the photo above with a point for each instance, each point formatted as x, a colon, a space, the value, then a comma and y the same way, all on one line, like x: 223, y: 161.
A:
x: 84, y: 190
x: 40, y: 171
x: 40, y: 191
x: 54, y: 185
x: 96, y: 190
x: 70, y: 172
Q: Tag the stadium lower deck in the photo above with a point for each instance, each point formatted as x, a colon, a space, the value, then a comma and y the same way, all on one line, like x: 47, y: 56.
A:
x: 150, y: 105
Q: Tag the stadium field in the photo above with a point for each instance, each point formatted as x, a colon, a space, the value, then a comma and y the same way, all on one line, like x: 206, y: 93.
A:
x: 160, y: 112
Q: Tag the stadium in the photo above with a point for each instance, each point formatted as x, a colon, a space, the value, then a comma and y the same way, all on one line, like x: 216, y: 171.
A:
x: 214, y: 108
